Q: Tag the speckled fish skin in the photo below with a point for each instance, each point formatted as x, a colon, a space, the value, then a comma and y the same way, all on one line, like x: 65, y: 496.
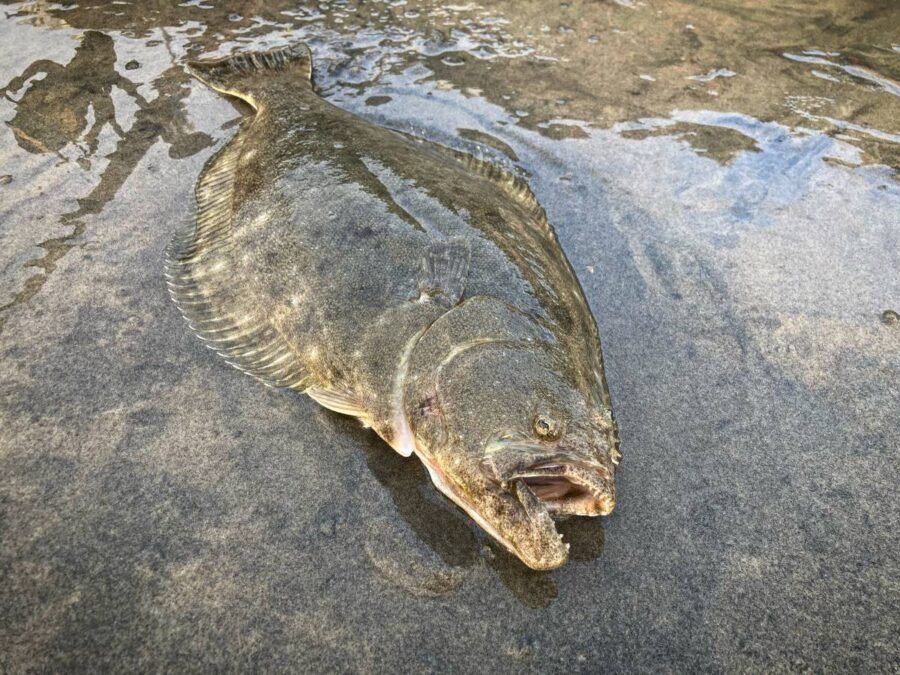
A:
x: 410, y: 285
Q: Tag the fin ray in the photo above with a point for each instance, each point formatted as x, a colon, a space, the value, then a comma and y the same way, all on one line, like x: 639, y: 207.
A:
x: 514, y: 185
x: 340, y: 401
x: 202, y: 286
x: 256, y: 76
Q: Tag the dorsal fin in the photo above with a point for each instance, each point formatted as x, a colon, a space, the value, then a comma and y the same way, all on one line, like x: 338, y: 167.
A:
x: 203, y: 286
x: 517, y: 187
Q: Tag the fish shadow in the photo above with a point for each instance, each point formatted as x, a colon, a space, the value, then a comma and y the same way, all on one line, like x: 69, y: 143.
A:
x: 447, y: 531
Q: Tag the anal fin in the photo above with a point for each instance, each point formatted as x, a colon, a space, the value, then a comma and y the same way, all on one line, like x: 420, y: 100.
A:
x: 202, y: 281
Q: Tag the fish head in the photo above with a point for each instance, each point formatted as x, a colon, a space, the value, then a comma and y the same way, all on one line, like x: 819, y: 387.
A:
x: 514, y: 442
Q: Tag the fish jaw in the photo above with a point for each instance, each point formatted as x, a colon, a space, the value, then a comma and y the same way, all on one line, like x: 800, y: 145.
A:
x: 514, y: 517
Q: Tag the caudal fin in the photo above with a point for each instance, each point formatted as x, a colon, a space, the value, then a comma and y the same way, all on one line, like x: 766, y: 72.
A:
x: 254, y: 76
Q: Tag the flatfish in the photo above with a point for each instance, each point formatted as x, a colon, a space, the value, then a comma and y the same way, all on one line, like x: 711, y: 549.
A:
x: 409, y: 285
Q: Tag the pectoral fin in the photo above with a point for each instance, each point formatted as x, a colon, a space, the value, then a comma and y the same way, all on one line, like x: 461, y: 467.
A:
x: 445, y: 268
x: 340, y: 401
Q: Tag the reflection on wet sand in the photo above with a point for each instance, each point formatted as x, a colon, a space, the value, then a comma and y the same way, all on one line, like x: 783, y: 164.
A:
x: 68, y: 106
x: 824, y: 67
x: 163, y: 118
x: 719, y: 143
x: 71, y: 103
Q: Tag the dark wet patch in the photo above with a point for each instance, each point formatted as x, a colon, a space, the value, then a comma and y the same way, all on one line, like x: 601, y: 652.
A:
x: 561, y: 131
x: 719, y: 143
x: 378, y: 100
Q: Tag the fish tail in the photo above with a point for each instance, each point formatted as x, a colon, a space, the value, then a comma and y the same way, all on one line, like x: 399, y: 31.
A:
x: 251, y: 76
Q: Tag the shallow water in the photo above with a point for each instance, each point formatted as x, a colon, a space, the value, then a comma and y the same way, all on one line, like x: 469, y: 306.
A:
x: 722, y: 177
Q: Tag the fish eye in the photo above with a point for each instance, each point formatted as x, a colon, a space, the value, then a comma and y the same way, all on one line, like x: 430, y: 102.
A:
x: 545, y: 426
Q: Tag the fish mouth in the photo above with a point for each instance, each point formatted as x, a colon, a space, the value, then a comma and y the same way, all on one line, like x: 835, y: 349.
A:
x: 548, y: 484
x: 542, y: 485
x: 566, y: 482
x: 569, y: 487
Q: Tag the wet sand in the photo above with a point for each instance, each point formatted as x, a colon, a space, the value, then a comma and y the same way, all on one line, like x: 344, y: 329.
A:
x: 723, y: 181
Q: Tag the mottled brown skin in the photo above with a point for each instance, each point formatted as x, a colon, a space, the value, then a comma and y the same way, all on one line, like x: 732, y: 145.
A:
x: 488, y: 369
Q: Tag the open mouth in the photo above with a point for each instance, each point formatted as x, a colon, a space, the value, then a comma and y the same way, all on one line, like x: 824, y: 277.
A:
x: 570, y: 488
x: 547, y: 484
x: 558, y: 493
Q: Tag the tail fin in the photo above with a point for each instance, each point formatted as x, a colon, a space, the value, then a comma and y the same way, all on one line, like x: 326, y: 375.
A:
x: 252, y: 76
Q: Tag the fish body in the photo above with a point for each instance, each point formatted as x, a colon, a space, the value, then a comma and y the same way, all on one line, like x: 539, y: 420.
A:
x: 409, y: 285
